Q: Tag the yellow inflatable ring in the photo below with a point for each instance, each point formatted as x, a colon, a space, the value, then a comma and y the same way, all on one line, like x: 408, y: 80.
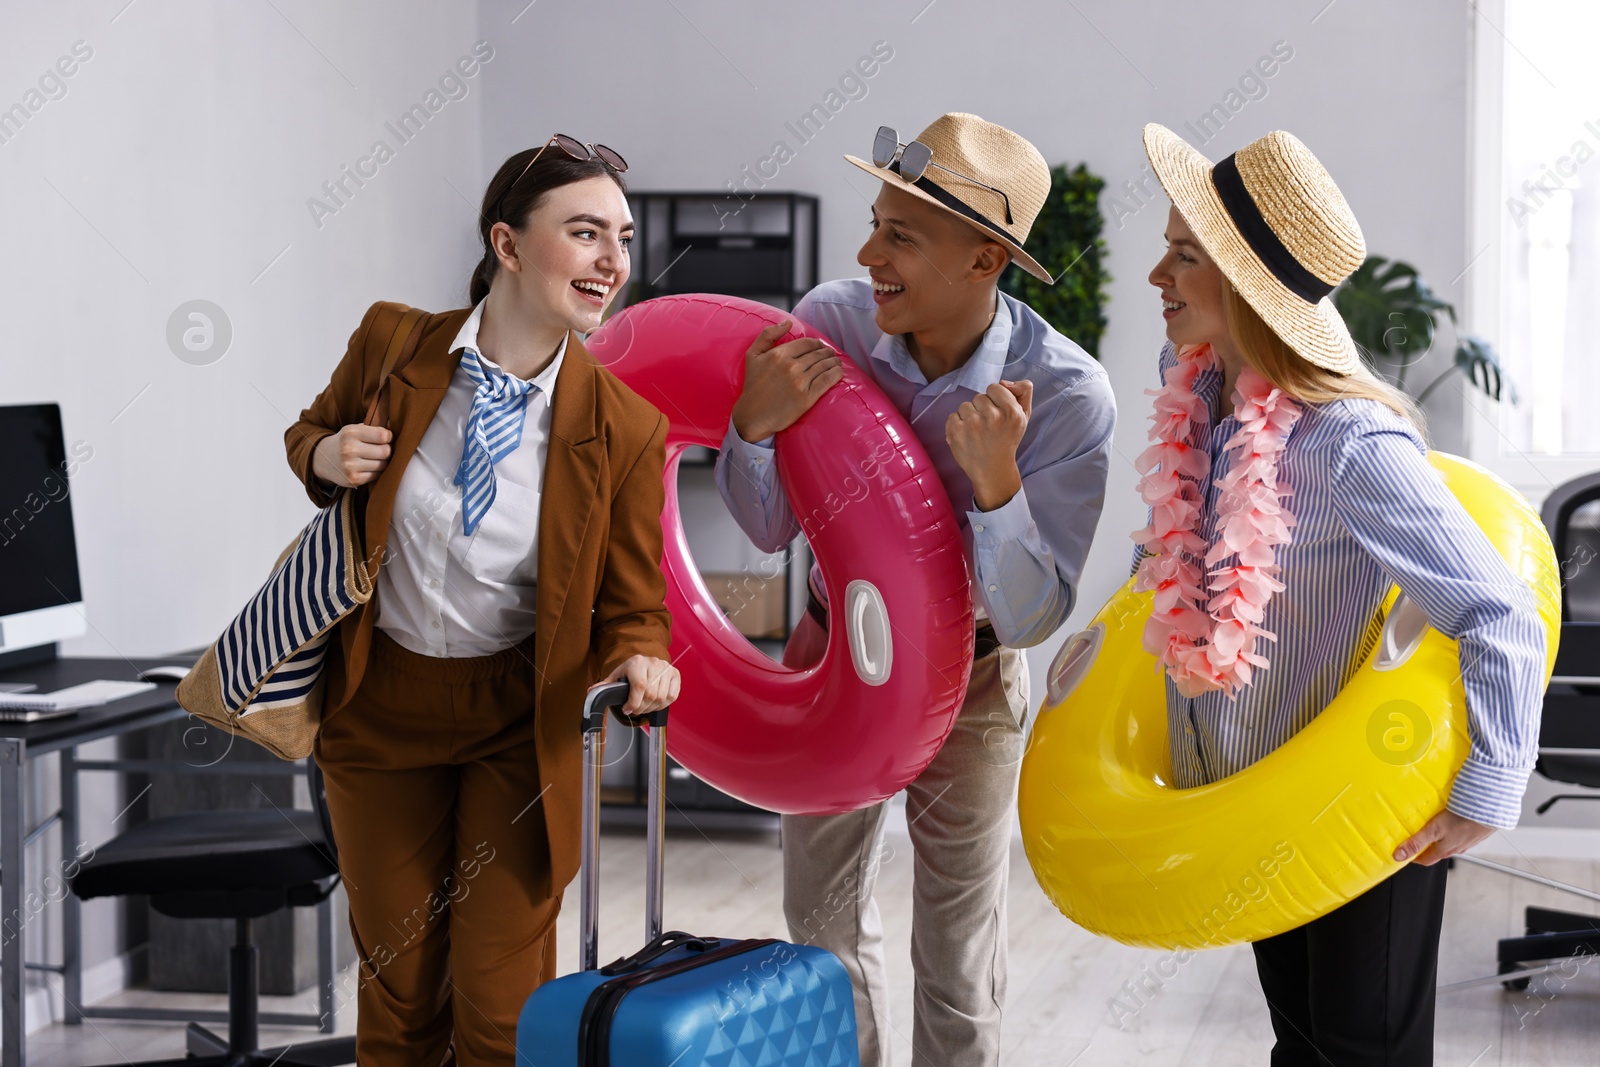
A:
x: 1291, y: 837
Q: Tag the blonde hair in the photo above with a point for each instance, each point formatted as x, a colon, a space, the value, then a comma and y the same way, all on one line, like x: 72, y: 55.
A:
x: 1272, y: 357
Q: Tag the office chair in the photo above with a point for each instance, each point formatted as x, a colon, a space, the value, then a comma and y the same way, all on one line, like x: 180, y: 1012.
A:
x: 1569, y: 735
x: 240, y: 865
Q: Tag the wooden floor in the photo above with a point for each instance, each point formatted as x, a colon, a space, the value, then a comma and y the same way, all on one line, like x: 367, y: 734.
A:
x: 1062, y: 980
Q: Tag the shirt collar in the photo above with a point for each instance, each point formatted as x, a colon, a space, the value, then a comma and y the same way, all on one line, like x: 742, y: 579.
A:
x: 1208, y: 387
x: 982, y: 369
x: 467, y: 337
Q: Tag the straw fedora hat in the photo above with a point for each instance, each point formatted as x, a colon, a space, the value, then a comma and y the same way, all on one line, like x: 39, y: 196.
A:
x: 1279, y: 229
x: 982, y: 173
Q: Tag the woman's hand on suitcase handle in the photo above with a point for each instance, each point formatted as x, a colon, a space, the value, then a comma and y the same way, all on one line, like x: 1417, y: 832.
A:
x: 652, y: 684
x: 352, y: 456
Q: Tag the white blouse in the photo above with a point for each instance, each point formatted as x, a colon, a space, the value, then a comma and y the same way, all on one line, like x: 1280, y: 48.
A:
x: 443, y: 593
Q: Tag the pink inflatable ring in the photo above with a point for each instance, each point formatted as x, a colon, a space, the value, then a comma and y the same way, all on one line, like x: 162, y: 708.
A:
x: 858, y: 725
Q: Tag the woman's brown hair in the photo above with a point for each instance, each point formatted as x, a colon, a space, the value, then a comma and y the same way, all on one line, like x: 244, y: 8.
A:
x: 510, y: 199
x: 1271, y: 355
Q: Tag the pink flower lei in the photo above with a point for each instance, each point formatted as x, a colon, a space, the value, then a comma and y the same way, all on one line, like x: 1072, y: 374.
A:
x: 1214, y: 647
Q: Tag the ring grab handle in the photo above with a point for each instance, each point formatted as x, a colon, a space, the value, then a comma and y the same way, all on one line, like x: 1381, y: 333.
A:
x: 1072, y: 663
x: 1403, y: 630
x: 867, y: 630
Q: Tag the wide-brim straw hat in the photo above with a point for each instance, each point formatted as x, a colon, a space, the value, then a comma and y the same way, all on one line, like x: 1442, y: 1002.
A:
x: 1277, y: 226
x: 982, y: 152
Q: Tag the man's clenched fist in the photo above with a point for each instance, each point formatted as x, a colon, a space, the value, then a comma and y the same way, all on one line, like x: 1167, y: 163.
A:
x: 983, y: 435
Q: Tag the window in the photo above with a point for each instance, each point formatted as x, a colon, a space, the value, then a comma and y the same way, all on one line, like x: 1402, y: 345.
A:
x: 1546, y: 236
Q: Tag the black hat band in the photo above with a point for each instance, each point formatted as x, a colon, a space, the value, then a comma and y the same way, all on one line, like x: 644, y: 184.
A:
x: 1258, y: 235
x: 949, y: 200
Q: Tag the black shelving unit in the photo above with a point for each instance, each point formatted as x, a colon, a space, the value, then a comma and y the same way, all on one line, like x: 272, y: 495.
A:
x: 691, y: 802
x: 762, y: 247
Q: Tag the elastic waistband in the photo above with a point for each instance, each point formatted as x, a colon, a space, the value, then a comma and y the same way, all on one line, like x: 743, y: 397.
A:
x: 454, y: 670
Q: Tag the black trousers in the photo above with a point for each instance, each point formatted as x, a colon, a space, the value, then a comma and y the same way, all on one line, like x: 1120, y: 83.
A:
x: 1356, y: 986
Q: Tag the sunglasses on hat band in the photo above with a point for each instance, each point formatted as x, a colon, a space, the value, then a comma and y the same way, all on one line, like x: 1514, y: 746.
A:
x: 577, y: 150
x: 915, y: 159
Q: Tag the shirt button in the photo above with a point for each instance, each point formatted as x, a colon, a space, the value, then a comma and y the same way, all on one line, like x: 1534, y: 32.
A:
x: 435, y: 624
x: 979, y: 527
x: 434, y: 582
x: 993, y: 588
x: 438, y: 536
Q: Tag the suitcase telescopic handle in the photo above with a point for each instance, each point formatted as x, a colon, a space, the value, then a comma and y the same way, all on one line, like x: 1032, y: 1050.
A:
x: 601, y: 699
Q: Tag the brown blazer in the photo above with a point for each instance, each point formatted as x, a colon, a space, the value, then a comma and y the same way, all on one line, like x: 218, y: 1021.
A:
x: 600, y: 540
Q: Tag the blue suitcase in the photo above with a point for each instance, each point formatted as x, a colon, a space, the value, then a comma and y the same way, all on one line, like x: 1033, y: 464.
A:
x: 681, y: 1001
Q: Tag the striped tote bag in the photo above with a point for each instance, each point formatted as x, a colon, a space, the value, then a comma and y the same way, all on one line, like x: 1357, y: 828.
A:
x: 262, y: 679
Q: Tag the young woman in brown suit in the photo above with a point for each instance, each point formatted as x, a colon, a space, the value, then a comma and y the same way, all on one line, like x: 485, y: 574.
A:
x: 514, y: 501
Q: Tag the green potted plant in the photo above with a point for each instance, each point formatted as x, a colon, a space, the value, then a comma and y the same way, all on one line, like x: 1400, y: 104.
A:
x: 1066, y: 240
x: 1393, y: 315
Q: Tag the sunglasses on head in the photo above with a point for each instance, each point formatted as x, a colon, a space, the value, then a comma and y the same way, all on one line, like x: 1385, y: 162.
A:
x: 577, y: 150
x: 915, y: 159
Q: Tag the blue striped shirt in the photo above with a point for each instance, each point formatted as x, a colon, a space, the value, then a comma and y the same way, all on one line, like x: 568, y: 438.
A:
x: 1028, y: 553
x: 1371, y: 513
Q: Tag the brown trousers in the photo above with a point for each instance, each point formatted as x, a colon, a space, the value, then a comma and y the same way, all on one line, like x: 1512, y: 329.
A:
x: 432, y: 784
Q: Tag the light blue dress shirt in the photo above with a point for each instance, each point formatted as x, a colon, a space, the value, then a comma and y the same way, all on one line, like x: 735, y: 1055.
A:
x: 1370, y: 513
x: 1027, y: 555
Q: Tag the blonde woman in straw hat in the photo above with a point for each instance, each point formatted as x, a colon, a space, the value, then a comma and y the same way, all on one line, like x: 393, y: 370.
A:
x: 1267, y: 414
x: 1017, y: 419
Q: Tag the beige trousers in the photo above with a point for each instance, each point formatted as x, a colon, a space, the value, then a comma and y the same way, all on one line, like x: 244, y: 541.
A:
x: 958, y: 812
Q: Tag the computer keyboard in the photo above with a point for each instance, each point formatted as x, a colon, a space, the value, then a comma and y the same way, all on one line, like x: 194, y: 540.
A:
x: 86, y: 695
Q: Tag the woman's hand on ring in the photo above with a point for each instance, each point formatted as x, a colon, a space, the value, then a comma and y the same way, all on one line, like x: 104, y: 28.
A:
x: 1446, y: 834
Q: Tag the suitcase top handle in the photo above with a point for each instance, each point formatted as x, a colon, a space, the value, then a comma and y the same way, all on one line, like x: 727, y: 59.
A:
x: 662, y: 945
x: 611, y: 697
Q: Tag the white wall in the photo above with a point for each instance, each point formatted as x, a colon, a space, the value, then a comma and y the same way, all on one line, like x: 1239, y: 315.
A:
x: 177, y: 166
x: 180, y: 161
x: 695, y: 92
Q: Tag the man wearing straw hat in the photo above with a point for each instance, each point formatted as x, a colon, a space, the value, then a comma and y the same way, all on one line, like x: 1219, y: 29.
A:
x: 1017, y: 419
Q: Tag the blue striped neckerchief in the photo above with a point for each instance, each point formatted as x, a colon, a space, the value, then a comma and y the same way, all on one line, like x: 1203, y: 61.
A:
x: 494, y: 429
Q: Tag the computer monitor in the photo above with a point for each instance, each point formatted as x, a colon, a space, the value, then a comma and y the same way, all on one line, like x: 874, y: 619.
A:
x: 40, y: 598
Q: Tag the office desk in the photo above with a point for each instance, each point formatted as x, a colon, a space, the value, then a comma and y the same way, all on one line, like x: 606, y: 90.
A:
x: 20, y: 742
